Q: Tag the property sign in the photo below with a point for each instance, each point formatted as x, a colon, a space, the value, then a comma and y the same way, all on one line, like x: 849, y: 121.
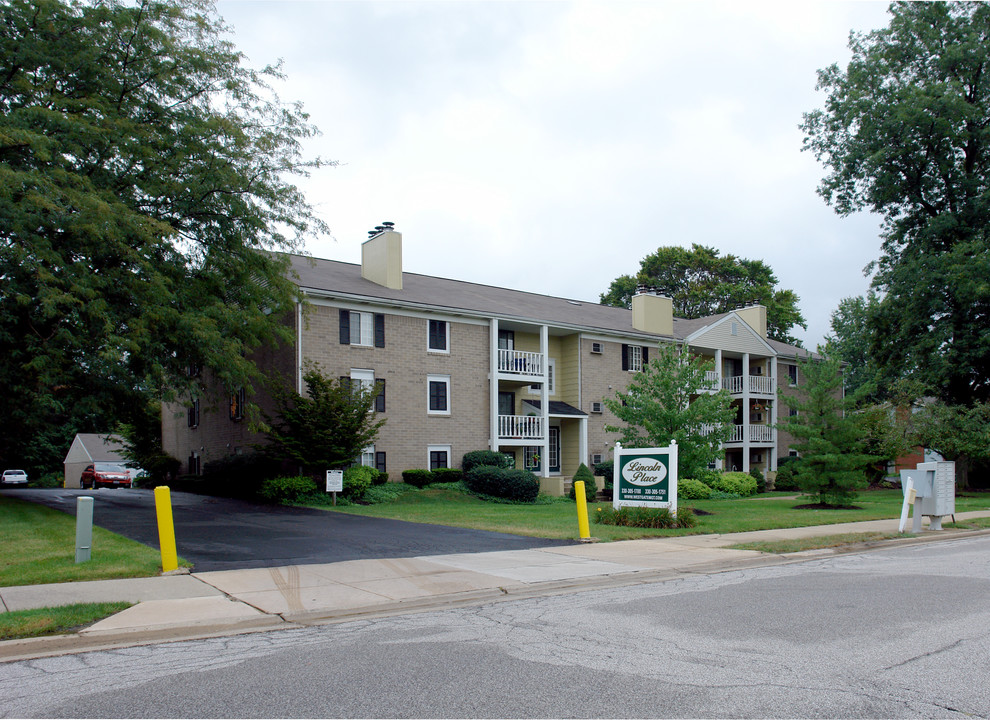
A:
x: 335, y: 481
x: 645, y: 477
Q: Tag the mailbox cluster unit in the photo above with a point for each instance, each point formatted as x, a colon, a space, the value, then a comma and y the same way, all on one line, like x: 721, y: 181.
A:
x: 935, y: 491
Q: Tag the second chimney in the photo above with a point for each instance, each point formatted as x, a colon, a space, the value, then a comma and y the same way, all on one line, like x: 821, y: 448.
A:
x: 381, y: 257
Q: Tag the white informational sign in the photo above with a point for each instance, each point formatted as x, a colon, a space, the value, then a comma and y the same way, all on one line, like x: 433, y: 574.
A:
x: 335, y: 481
x: 645, y: 477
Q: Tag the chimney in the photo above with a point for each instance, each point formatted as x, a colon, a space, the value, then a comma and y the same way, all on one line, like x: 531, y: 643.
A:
x: 755, y: 316
x: 381, y: 257
x: 652, y: 313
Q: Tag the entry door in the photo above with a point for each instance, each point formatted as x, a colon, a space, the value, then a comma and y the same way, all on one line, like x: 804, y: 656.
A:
x: 553, y: 462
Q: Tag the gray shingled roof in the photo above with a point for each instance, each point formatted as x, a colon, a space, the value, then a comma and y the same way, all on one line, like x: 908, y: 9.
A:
x: 343, y: 280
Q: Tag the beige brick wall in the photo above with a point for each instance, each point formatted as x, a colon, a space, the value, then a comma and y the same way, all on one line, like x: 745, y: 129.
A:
x: 601, y: 377
x: 404, y: 363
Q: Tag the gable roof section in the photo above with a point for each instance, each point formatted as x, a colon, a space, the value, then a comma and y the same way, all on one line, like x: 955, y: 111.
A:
x: 93, y: 447
x: 339, y: 280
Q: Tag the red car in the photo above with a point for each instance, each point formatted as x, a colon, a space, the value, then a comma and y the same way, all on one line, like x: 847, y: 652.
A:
x: 111, y: 474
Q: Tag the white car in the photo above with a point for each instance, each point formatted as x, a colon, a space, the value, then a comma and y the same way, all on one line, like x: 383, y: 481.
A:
x: 14, y: 477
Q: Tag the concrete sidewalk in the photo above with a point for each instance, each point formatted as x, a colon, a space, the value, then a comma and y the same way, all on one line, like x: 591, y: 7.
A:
x: 183, y: 606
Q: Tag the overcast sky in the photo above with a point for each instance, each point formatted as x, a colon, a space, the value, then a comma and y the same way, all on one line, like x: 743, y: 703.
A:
x: 550, y: 146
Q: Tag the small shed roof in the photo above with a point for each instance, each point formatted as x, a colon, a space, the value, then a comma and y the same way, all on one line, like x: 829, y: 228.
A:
x: 94, y: 447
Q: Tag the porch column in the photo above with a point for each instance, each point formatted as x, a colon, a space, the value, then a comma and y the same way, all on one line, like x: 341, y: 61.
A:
x: 493, y: 386
x: 772, y: 460
x: 745, y: 401
x: 718, y: 367
x: 545, y: 402
x: 583, y: 439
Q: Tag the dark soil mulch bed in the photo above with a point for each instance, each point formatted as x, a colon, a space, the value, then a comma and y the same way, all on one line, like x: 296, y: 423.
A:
x: 696, y: 511
x: 826, y: 506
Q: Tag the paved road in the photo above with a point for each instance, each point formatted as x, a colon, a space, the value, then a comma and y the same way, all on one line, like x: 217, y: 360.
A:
x: 895, y: 633
x: 222, y: 534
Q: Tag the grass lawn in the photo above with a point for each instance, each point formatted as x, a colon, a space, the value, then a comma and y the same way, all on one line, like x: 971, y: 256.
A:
x: 558, y: 519
x: 38, y: 545
x: 55, y: 621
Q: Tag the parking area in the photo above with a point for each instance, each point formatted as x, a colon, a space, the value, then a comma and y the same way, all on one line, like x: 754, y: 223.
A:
x: 224, y: 534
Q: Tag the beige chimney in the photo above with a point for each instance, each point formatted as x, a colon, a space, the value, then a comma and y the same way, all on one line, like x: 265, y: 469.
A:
x: 381, y: 259
x: 756, y: 317
x: 653, y: 313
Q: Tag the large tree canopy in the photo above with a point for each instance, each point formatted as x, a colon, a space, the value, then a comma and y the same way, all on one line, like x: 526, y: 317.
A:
x: 143, y: 182
x: 701, y: 282
x: 905, y: 132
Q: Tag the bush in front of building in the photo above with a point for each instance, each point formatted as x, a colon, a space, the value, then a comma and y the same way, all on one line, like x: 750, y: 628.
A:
x: 498, y: 482
x: 604, y: 469
x: 48, y: 480
x: 761, y: 480
x: 643, y: 517
x: 448, y: 475
x: 490, y: 458
x: 739, y: 483
x: 357, y: 480
x: 418, y: 478
x: 289, y: 490
x: 590, y: 489
x: 380, y: 477
x: 691, y: 489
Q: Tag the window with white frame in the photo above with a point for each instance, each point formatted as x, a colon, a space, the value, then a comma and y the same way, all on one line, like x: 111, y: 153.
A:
x: 439, y: 456
x: 438, y: 394
x: 367, y: 381
x: 792, y: 375
x: 368, y: 456
x: 362, y: 328
x: 531, y: 458
x: 635, y: 358
x: 438, y: 336
x: 551, y: 379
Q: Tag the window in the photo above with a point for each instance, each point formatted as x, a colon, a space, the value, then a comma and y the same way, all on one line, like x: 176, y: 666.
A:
x: 237, y: 400
x: 735, y: 328
x: 551, y: 384
x: 596, y: 459
x: 439, y: 456
x: 792, y: 412
x: 596, y: 407
x: 506, y: 340
x: 634, y: 357
x: 368, y: 456
x: 438, y: 389
x: 195, y: 464
x: 362, y: 328
x: 439, y: 336
x: 380, y: 460
x: 596, y: 348
x: 192, y: 414
x: 367, y: 380
x: 531, y: 458
x: 792, y: 377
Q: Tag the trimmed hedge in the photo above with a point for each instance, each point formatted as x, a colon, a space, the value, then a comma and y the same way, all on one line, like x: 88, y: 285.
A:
x: 418, y: 478
x: 740, y: 483
x: 491, y: 458
x: 448, y: 475
x: 646, y: 517
x: 520, y: 485
x: 288, y: 490
x: 691, y: 489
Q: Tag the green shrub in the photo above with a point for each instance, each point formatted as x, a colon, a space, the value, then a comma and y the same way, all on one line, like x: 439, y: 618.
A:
x: 739, y: 483
x: 417, y: 478
x: 643, y: 517
x: 692, y: 489
x: 378, y: 494
x: 708, y: 477
x: 761, y: 480
x: 520, y: 485
x: 486, y: 457
x: 379, y: 478
x: 785, y: 474
x: 606, y: 470
x: 448, y: 475
x: 357, y: 480
x: 48, y: 480
x: 590, y: 489
x: 289, y: 490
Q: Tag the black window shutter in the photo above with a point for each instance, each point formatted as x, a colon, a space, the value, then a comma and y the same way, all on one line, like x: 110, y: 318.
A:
x: 380, y: 461
x: 379, y: 330
x: 646, y: 355
x: 380, y: 398
x: 625, y: 357
x: 345, y: 327
x: 345, y: 382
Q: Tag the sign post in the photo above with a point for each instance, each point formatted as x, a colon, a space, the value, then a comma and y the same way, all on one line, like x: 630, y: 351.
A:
x: 645, y: 477
x: 335, y: 483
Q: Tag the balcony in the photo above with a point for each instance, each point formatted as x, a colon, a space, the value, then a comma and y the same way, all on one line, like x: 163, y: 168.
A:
x: 518, y: 362
x: 758, y: 384
x: 712, y: 382
x: 520, y: 427
x: 761, y: 434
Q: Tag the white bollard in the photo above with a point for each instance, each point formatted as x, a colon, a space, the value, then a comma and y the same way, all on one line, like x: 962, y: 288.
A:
x: 84, y: 528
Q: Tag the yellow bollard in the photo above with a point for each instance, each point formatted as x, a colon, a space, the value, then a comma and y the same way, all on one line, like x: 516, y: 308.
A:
x: 166, y: 530
x: 582, y: 508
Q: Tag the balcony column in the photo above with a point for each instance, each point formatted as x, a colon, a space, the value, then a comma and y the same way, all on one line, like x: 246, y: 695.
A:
x: 493, y: 387
x: 746, y: 411
x: 718, y: 368
x: 772, y: 459
x: 545, y: 401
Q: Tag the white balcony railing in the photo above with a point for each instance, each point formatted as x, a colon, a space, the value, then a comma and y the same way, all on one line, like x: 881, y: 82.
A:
x: 525, y: 427
x: 519, y: 362
x: 733, y: 384
x: 762, y: 434
x: 736, y: 435
x: 712, y: 382
x: 761, y: 384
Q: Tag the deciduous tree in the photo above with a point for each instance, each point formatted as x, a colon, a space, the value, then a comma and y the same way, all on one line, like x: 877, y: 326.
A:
x: 145, y: 176
x: 905, y: 133
x: 669, y: 400
x: 701, y: 282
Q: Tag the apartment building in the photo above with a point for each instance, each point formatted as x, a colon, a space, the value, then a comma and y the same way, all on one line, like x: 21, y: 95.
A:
x: 463, y: 366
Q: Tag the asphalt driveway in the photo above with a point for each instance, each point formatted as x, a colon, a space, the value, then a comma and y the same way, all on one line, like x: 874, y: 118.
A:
x: 223, y: 534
